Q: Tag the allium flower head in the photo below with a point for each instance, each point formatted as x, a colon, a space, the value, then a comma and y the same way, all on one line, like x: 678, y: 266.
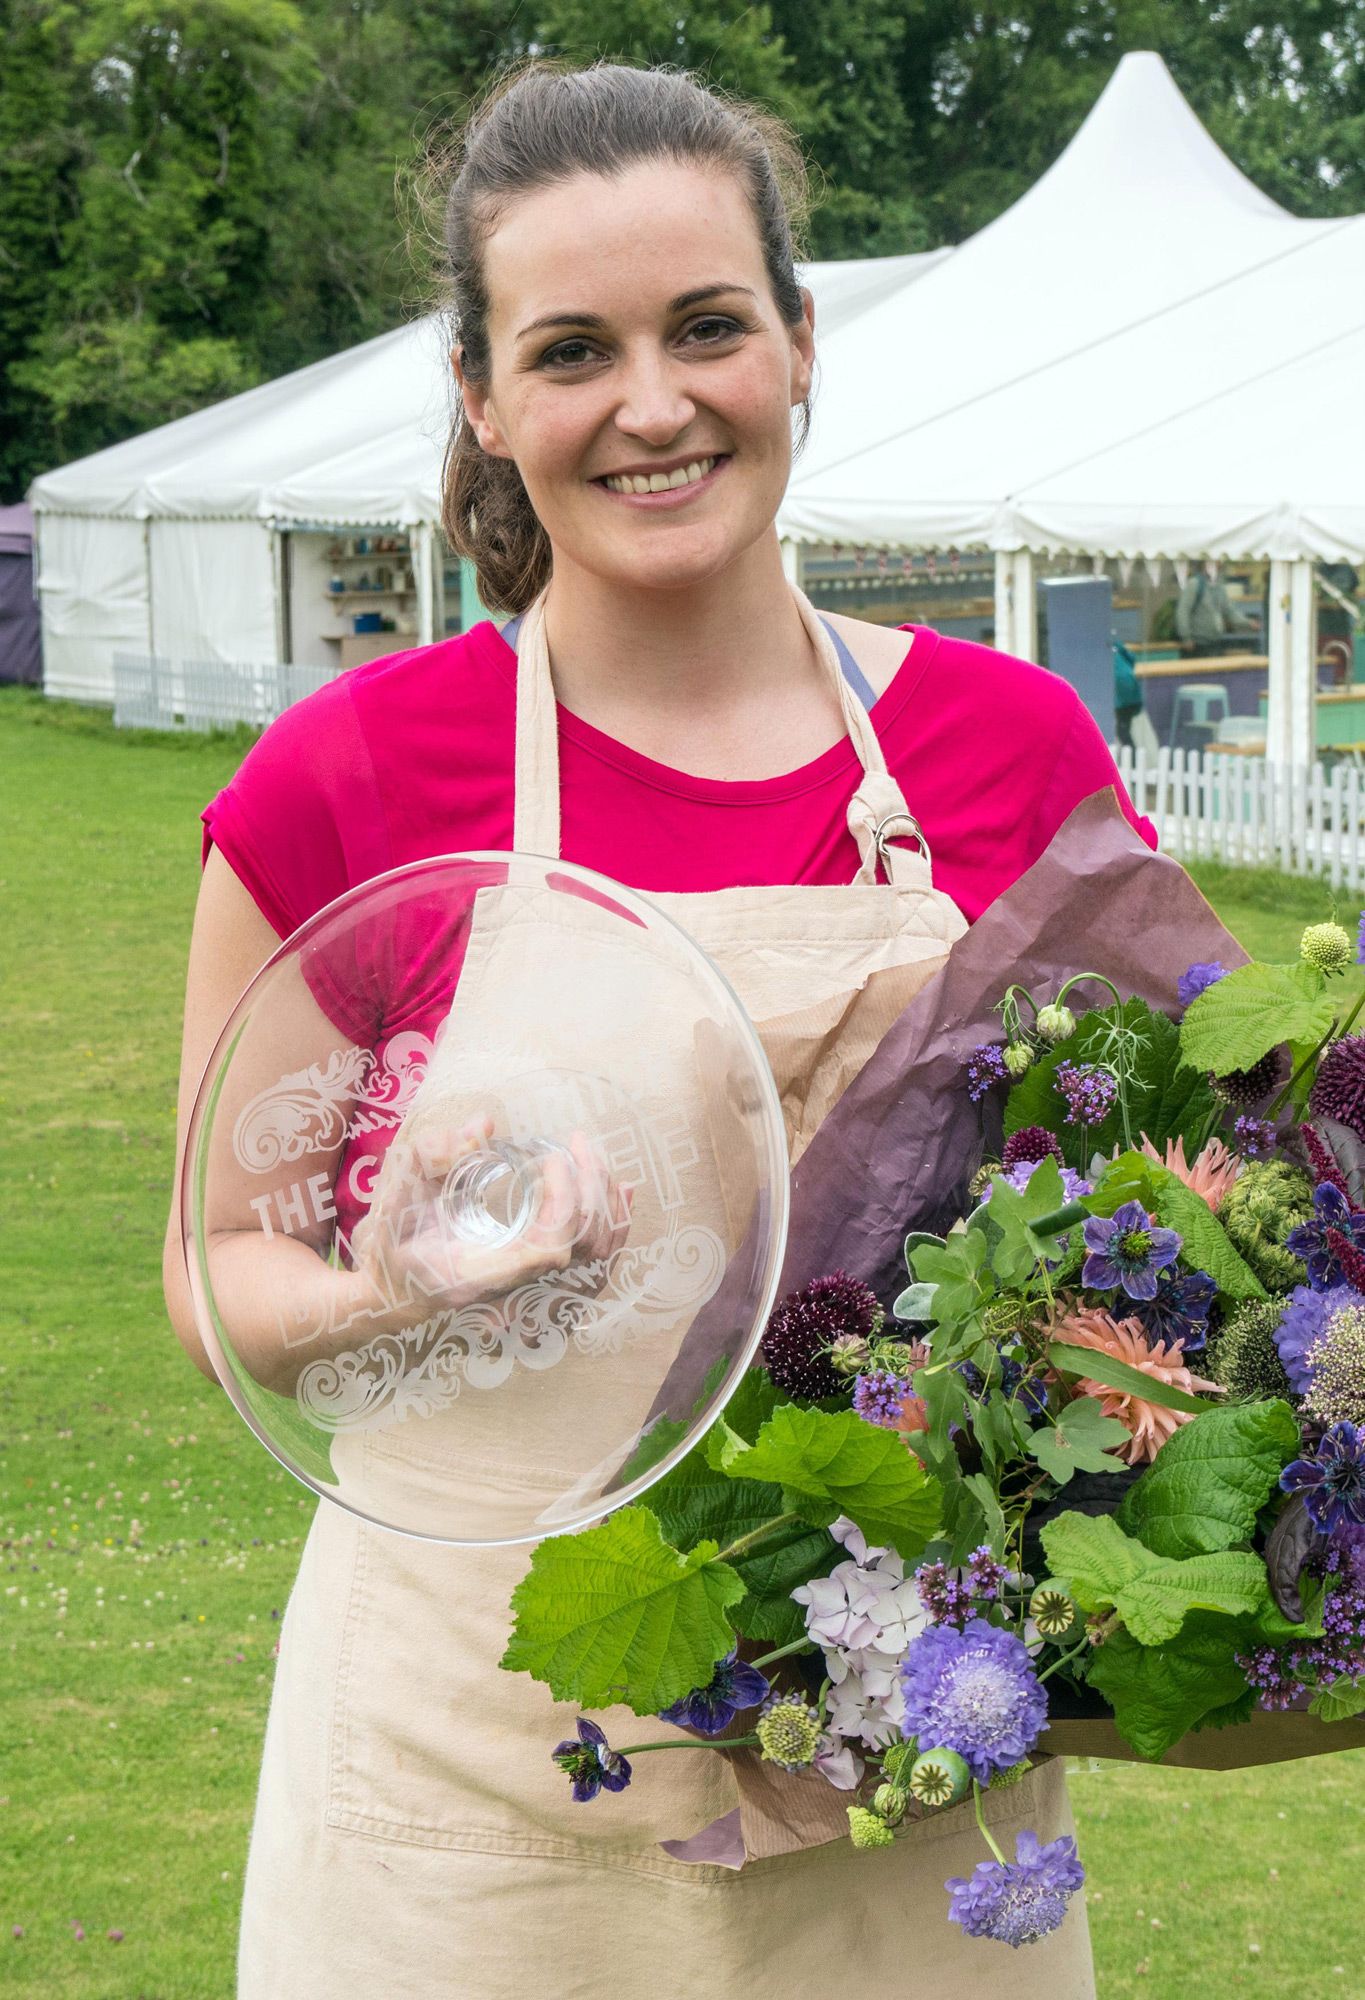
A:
x: 1339, y: 1086
x: 1253, y: 1085
x: 1090, y: 1089
x: 1127, y: 1249
x: 733, y: 1685
x: 1197, y: 979
x: 788, y: 1732
x: 1328, y: 946
x: 975, y: 1692
x: 591, y: 1763
x: 1311, y: 1240
x: 1150, y: 1423
x: 1031, y: 1143
x: 1017, y: 1902
x: 985, y: 1069
x: 1332, y: 1479
x: 1244, y: 1357
x: 808, y: 1322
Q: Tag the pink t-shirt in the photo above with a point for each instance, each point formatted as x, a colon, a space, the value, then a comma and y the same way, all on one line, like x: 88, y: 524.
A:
x: 412, y: 755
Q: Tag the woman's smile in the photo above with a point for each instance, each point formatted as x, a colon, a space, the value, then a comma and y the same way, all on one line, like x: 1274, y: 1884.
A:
x: 667, y: 487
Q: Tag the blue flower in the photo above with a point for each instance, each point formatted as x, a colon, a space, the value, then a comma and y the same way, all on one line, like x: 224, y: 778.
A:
x: 591, y: 1762
x: 1305, y: 1316
x: 1127, y: 1249
x: 973, y: 1691
x: 985, y: 1068
x: 878, y: 1397
x: 734, y: 1685
x: 1197, y: 979
x: 1331, y: 1210
x: 1017, y: 1902
x: 1252, y: 1137
x: 1180, y: 1308
x: 1333, y: 1482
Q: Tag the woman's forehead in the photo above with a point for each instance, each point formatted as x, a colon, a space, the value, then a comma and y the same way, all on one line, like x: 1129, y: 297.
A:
x: 620, y: 244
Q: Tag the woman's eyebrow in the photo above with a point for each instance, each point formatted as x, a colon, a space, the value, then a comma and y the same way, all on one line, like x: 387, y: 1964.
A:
x: 683, y: 300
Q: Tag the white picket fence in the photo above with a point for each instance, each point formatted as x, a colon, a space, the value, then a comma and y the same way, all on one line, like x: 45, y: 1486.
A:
x: 153, y: 692
x: 1242, y: 810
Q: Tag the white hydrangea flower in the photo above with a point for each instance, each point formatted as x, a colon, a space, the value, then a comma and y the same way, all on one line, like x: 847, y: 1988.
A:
x: 863, y: 1617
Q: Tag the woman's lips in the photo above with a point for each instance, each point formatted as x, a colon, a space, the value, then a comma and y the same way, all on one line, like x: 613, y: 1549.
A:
x: 672, y: 496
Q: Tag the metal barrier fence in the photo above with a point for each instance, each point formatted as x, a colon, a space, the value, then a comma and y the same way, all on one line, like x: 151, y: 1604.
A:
x: 1306, y: 820
x: 154, y: 692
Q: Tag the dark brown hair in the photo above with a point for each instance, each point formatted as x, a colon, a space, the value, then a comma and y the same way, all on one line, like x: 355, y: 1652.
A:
x: 539, y: 124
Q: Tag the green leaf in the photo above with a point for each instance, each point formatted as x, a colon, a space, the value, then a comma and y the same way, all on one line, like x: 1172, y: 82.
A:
x: 1210, y: 1480
x: 1164, y: 1101
x: 1233, y: 1023
x: 1107, y: 1570
x: 1093, y: 1365
x: 616, y: 1615
x: 696, y: 1503
x: 830, y: 1463
x: 1081, y: 1442
x: 916, y: 1302
x: 953, y: 1267
x: 1158, y: 1693
x: 991, y: 1512
x: 1013, y: 1211
x: 1339, y: 1702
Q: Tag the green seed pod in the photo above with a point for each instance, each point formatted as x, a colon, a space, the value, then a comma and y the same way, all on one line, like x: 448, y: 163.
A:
x: 1012, y: 1776
x: 1056, y: 1023
x: 866, y: 1830
x: 896, y: 1761
x: 1328, y: 946
x: 1053, y: 1610
x: 1018, y: 1059
x: 889, y: 1803
x: 982, y: 1178
x: 939, y: 1778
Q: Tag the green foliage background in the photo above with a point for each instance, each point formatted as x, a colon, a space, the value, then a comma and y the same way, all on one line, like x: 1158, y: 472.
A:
x: 199, y: 195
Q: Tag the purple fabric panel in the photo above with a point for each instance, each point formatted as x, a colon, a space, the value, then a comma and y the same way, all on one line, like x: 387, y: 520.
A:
x: 21, y: 651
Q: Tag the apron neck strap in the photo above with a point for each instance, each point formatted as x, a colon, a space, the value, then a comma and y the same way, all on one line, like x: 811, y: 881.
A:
x: 877, y: 812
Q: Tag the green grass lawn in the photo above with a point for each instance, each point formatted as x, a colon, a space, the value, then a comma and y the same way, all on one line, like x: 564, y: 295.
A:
x: 149, y: 1543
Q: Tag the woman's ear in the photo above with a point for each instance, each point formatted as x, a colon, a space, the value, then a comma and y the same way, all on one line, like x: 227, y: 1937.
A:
x: 478, y: 409
x: 803, y: 347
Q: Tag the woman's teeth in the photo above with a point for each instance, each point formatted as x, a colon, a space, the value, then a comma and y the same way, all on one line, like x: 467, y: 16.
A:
x: 660, y: 482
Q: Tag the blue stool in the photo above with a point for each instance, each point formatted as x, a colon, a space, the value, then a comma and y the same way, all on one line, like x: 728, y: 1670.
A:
x: 1198, y: 705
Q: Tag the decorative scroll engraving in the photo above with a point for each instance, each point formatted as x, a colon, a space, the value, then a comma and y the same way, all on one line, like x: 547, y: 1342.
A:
x: 421, y: 1369
x: 307, y: 1111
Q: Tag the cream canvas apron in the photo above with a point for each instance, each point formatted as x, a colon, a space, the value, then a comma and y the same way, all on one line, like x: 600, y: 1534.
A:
x: 412, y: 1836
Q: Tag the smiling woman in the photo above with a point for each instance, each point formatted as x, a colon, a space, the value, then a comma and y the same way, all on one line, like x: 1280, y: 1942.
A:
x: 632, y: 358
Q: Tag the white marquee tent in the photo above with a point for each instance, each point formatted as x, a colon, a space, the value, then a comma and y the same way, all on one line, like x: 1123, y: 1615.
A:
x: 1143, y: 356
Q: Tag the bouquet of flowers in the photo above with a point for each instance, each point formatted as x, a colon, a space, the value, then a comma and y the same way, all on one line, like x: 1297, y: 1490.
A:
x: 1101, y: 1455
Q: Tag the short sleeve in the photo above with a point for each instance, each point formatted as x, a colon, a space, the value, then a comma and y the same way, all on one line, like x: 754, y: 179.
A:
x: 302, y: 820
x: 1084, y: 765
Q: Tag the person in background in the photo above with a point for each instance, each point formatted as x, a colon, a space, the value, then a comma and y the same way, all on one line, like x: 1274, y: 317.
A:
x: 1206, y: 622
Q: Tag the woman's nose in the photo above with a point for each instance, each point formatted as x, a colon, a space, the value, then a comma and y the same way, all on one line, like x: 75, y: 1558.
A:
x: 654, y: 403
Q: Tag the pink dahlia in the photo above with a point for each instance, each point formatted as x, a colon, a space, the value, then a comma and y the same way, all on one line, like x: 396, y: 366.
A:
x: 1150, y: 1423
x: 1210, y: 1175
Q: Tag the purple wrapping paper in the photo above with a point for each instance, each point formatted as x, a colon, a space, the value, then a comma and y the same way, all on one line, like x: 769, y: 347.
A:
x: 899, y: 1147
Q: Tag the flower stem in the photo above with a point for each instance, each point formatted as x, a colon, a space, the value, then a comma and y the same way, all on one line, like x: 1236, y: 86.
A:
x: 1333, y: 1034
x: 985, y: 1830
x: 676, y: 1743
x: 755, y: 1536
x: 1065, y: 1659
x: 796, y: 1646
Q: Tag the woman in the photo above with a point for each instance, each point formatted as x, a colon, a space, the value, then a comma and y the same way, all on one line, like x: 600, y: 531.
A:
x: 630, y: 343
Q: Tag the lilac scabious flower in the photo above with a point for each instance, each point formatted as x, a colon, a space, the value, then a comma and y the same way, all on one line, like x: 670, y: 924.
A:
x: 1017, y: 1902
x: 1332, y: 1480
x: 591, y: 1762
x: 974, y: 1691
x: 1332, y: 1214
x: 1090, y: 1091
x: 1305, y: 1315
x: 734, y: 1685
x: 1252, y: 1137
x: 985, y: 1068
x: 1127, y: 1249
x: 878, y: 1397
x: 1197, y: 979
x: 1179, y: 1310
x: 1074, y: 1185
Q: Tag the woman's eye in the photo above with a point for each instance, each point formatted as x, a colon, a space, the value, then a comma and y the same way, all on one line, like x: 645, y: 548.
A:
x: 562, y: 352
x: 712, y: 330
x: 724, y: 327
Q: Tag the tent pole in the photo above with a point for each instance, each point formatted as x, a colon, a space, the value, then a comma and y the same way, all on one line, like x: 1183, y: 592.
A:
x: 421, y: 536
x: 1004, y: 601
x: 1303, y: 678
x: 1024, y: 638
x: 793, y: 567
x: 1278, y: 732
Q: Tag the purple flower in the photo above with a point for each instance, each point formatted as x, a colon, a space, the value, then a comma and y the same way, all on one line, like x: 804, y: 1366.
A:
x: 1074, y: 1185
x: 1179, y: 1310
x: 975, y: 1692
x: 1305, y: 1315
x: 878, y: 1397
x: 1197, y: 979
x: 985, y: 1574
x: 1017, y: 1902
x: 1128, y: 1249
x: 1253, y: 1138
x: 734, y: 1685
x: 1360, y: 940
x: 806, y: 1324
x: 1332, y: 1482
x: 985, y: 1068
x: 1032, y: 1142
x: 1090, y: 1091
x: 1331, y: 1211
x: 591, y: 1763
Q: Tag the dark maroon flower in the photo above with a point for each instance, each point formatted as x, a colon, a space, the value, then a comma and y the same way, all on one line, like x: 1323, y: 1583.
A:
x: 1250, y: 1087
x: 1339, y: 1087
x: 1030, y: 1144
x: 806, y: 1324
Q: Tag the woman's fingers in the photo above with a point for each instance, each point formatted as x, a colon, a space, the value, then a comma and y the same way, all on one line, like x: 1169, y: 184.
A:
x: 438, y: 1146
